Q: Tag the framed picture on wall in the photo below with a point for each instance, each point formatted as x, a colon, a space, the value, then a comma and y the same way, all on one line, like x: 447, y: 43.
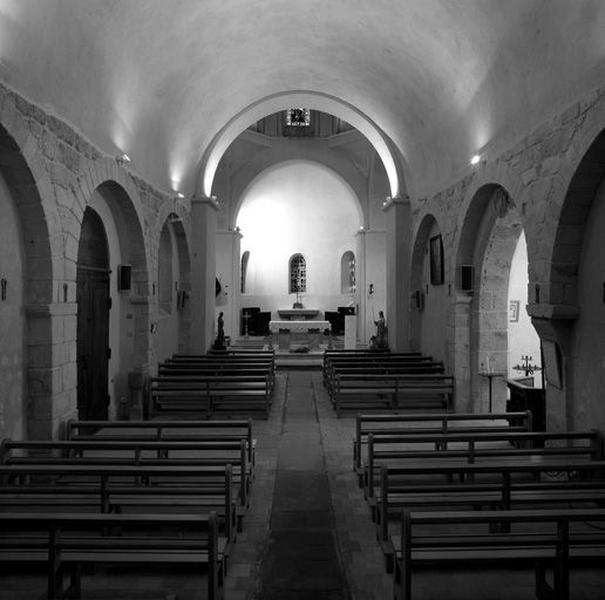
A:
x: 513, y: 311
x: 436, y: 258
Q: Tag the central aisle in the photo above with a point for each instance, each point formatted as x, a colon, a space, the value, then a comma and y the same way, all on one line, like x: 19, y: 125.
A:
x: 301, y: 560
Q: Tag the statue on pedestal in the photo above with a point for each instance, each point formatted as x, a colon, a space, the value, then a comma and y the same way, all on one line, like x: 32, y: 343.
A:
x: 379, y: 341
x: 219, y: 342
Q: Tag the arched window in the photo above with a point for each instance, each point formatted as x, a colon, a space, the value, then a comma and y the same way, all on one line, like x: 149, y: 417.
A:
x: 347, y: 273
x: 244, y: 271
x: 298, y: 274
x: 165, y: 270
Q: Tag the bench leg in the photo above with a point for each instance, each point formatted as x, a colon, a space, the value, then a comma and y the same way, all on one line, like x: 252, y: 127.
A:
x: 544, y: 591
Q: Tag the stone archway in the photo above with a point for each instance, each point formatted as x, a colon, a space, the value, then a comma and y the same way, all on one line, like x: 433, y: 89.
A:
x: 575, y: 291
x: 42, y: 252
x: 488, y: 240
x: 418, y: 297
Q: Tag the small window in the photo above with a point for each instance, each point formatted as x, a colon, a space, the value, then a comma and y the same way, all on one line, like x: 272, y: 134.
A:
x: 244, y: 271
x: 298, y: 274
x: 347, y: 273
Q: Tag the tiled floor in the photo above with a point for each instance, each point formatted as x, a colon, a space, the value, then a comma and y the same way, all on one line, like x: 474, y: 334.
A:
x: 281, y: 457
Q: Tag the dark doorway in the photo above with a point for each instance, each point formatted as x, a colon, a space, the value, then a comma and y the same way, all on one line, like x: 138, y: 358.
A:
x: 93, y: 319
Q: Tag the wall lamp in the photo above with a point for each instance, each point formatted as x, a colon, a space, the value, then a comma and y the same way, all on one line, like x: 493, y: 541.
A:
x: 476, y: 159
x: 123, y: 159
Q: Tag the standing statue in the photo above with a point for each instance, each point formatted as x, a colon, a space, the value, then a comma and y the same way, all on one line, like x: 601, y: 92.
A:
x: 379, y: 341
x: 219, y: 342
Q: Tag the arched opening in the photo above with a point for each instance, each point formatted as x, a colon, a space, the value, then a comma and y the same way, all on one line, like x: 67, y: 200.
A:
x: 92, y: 298
x: 244, y: 270
x: 487, y: 280
x: 347, y: 273
x: 577, y: 290
x: 297, y: 274
x: 27, y: 408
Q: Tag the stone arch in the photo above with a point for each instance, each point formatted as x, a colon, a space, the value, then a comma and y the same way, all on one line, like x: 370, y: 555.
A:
x: 31, y: 191
x: 417, y: 299
x: 118, y: 191
x: 490, y: 231
x: 578, y: 200
x: 391, y: 158
x: 573, y: 362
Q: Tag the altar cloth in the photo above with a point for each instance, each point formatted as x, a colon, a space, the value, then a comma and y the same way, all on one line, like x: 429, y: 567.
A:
x: 275, y: 326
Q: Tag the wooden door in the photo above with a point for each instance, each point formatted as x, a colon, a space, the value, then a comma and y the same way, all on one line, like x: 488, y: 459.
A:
x: 93, y: 343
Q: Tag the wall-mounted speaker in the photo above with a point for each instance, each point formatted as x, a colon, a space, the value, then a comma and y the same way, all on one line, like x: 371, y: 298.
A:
x: 124, y: 278
x: 418, y: 300
x: 467, y: 278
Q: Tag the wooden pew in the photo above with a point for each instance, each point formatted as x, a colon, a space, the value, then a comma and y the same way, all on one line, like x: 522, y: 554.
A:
x: 393, y: 392
x: 493, y: 485
x: 227, y: 430
x: 211, y: 394
x: 474, y: 446
x: 129, y: 452
x: 64, y: 542
x: 335, y: 359
x: 419, y: 423
x: 553, y: 538
x: 361, y: 371
x: 120, y: 488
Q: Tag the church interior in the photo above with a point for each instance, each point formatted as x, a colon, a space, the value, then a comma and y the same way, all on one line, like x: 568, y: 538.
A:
x: 294, y: 247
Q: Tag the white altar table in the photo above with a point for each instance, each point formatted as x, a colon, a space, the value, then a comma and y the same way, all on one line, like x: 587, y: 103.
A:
x: 285, y: 329
x: 275, y: 326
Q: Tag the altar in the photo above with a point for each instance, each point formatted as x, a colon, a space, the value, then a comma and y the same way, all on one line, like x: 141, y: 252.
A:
x: 304, y: 331
x: 297, y: 314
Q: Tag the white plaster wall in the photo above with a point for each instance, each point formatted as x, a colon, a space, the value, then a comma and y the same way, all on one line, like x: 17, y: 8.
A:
x: 297, y: 206
x: 12, y: 322
x: 588, y: 360
x: 166, y: 339
x: 522, y: 337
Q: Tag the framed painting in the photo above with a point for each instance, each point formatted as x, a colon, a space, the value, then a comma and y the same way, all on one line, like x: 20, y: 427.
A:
x: 513, y: 311
x: 436, y: 260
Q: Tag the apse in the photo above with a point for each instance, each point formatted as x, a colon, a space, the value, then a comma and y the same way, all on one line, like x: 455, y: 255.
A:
x: 297, y: 207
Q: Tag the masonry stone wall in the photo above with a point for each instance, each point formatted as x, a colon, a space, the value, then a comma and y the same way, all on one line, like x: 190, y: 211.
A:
x: 537, y: 173
x: 51, y: 181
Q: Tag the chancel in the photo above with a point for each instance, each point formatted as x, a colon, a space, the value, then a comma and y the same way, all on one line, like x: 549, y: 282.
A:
x: 265, y: 270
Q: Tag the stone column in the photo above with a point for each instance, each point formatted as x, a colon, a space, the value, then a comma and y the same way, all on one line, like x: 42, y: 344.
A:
x: 52, y: 368
x: 398, y: 236
x: 203, y: 272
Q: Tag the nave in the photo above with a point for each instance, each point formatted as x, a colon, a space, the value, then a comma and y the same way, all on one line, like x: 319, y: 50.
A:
x: 307, y: 533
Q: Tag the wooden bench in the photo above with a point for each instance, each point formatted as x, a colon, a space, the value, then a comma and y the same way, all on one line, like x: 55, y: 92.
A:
x: 128, y: 452
x: 64, y: 542
x: 393, y: 392
x: 470, y: 447
x: 553, y: 538
x: 332, y: 360
x: 118, y: 488
x: 391, y: 424
x: 363, y: 371
x: 493, y: 485
x: 210, y: 394
x: 227, y: 430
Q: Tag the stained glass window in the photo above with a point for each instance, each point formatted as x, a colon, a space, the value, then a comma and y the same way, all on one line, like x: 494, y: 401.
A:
x: 298, y: 274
